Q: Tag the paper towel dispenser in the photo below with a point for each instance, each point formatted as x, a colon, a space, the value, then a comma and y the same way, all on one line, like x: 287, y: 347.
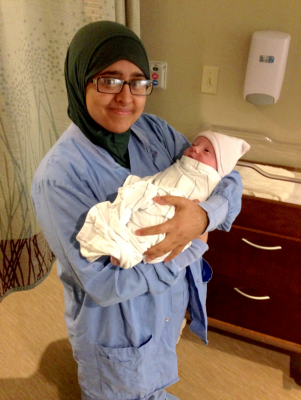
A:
x: 266, y: 67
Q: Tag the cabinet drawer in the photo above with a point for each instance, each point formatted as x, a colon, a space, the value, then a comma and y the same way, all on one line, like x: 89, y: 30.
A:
x: 231, y: 256
x: 279, y: 316
x: 270, y: 216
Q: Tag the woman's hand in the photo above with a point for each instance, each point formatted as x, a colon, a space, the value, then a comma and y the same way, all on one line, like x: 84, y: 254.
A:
x: 188, y: 223
x: 114, y: 261
x: 203, y: 237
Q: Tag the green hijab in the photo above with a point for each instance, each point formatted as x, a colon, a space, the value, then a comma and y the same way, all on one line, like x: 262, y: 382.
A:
x: 93, y: 48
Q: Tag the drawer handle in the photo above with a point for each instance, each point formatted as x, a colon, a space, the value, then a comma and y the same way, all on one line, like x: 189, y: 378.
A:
x: 262, y: 247
x: 252, y: 297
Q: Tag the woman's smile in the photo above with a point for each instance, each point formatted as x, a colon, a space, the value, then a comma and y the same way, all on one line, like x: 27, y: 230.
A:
x: 121, y: 111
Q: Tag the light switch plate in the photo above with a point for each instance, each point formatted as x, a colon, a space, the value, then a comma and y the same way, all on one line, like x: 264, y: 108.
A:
x: 210, y: 80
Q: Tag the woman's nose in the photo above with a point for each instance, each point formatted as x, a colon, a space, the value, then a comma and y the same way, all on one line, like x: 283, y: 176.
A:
x: 125, y: 95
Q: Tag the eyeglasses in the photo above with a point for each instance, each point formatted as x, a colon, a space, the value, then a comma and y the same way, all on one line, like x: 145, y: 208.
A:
x: 113, y: 86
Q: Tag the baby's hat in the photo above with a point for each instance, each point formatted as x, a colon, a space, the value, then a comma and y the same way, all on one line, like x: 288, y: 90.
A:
x: 228, y: 150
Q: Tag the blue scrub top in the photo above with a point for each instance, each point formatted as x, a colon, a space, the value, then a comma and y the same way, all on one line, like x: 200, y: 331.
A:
x: 121, y: 323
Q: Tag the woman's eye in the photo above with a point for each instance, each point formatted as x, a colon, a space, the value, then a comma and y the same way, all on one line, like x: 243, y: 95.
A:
x: 109, y: 81
x: 136, y: 84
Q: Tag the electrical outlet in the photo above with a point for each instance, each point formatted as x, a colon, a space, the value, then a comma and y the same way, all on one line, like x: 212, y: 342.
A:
x: 210, y: 80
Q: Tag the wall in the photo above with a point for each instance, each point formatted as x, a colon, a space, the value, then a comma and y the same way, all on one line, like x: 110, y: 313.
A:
x: 192, y: 33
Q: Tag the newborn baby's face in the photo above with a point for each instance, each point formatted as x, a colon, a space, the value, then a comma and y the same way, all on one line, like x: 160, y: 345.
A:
x: 203, y: 151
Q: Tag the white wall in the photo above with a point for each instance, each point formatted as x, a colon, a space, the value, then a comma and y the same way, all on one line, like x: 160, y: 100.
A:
x: 189, y: 34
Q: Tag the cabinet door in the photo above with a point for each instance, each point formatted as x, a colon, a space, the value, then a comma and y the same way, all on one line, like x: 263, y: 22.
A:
x: 268, y: 261
x: 278, y: 316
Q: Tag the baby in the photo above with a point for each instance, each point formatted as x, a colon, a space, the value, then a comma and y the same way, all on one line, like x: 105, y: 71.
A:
x: 110, y: 228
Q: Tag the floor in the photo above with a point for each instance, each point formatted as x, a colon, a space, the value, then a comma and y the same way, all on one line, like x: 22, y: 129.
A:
x: 37, y: 364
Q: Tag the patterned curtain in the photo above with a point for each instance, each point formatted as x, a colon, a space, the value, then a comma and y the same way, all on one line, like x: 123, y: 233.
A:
x: 34, y: 37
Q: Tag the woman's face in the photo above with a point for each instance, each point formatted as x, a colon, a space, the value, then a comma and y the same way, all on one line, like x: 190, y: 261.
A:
x: 116, y: 112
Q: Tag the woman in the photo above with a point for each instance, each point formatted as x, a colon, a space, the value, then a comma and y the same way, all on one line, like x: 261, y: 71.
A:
x: 123, y: 324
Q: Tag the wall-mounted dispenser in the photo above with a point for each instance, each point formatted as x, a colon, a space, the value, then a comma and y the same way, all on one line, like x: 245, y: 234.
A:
x: 266, y: 67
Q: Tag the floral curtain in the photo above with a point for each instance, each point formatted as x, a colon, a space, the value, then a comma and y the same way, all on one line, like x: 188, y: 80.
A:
x: 34, y: 37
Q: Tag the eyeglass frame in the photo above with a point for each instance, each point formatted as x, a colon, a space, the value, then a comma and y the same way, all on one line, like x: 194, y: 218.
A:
x: 95, y: 82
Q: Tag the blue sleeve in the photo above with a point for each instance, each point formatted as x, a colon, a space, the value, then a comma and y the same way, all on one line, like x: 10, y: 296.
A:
x: 194, y: 253
x: 61, y: 210
x: 224, y: 204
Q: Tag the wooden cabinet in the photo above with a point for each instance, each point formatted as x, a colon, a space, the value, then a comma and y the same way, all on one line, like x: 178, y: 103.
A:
x: 255, y: 290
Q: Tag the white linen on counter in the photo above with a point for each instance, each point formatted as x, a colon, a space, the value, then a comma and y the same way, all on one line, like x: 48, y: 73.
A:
x: 255, y: 184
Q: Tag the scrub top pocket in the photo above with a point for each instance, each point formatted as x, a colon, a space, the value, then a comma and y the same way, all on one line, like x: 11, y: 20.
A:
x: 124, y: 371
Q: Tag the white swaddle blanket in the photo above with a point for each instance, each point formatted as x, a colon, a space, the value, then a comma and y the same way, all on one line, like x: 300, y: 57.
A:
x: 110, y: 228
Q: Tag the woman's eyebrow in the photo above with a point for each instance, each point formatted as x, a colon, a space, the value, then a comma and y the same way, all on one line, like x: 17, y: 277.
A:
x: 118, y: 73
x: 113, y: 72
